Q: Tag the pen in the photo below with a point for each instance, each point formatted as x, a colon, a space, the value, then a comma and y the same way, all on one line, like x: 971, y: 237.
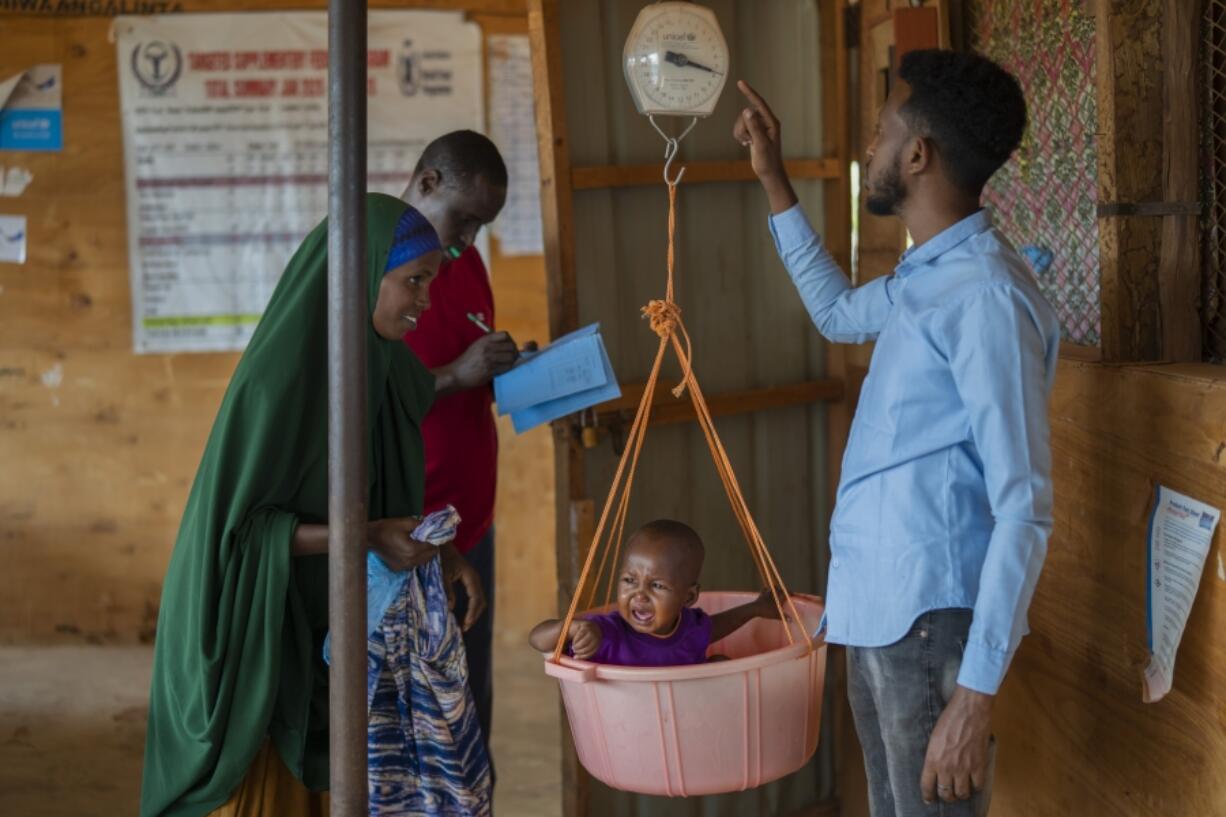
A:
x: 480, y: 323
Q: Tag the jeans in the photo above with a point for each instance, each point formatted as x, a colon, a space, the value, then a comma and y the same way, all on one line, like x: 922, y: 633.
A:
x: 897, y: 692
x: 479, y: 641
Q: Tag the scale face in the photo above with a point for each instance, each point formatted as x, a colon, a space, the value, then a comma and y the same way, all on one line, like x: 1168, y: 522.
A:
x: 676, y: 60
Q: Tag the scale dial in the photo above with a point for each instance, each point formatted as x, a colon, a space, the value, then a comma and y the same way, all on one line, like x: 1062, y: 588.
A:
x: 676, y: 60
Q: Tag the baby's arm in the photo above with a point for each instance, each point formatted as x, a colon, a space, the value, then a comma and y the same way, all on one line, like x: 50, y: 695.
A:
x: 728, y: 622
x: 584, y: 637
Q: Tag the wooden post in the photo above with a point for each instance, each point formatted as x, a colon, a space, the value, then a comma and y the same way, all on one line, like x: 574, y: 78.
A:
x: 1179, y: 272
x: 836, y: 139
x: 1129, y: 171
x: 557, y: 223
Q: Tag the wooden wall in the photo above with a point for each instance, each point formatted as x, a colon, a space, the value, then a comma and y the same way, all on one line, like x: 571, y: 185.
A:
x: 99, y: 445
x: 1074, y: 735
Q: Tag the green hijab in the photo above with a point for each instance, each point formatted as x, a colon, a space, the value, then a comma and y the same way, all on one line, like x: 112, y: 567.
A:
x: 237, y: 659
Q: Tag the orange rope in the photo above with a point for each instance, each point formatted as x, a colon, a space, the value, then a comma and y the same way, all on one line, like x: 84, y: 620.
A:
x: 665, y: 318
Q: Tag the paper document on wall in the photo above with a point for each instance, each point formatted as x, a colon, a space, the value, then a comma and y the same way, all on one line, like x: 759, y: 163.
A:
x: 1180, y: 533
x: 13, y: 239
x: 513, y: 129
x: 225, y: 123
x: 571, y: 374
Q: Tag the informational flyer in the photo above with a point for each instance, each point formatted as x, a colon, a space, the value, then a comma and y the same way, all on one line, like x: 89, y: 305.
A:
x: 513, y: 129
x: 1180, y: 533
x: 225, y: 123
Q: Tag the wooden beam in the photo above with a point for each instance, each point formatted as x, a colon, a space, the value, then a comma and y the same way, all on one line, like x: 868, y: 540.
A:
x: 497, y: 7
x: 553, y: 144
x: 836, y: 137
x: 1084, y: 354
x: 593, y: 177
x: 1130, y: 85
x: 494, y: 24
x: 1179, y: 272
x: 573, y: 511
x: 667, y: 410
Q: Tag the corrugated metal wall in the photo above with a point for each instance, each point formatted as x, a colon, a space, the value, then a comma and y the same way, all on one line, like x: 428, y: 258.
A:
x: 748, y: 326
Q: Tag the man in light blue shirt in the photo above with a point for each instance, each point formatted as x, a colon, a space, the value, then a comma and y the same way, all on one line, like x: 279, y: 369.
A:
x: 944, y: 506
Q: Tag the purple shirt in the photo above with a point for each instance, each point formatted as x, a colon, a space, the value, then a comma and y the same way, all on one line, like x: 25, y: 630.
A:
x: 623, y: 645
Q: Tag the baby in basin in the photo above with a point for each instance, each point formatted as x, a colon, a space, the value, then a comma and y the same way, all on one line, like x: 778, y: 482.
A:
x: 655, y: 623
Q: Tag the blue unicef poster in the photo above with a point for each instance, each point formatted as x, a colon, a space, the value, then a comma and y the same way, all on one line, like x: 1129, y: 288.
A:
x: 31, y: 110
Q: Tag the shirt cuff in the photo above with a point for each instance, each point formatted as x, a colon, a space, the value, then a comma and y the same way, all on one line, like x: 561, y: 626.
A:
x: 791, y: 229
x: 983, y: 668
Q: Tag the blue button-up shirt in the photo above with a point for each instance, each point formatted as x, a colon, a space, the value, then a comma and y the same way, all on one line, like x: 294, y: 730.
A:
x: 945, y: 497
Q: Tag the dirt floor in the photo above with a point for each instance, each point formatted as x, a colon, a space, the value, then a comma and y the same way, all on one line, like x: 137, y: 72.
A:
x: 72, y: 731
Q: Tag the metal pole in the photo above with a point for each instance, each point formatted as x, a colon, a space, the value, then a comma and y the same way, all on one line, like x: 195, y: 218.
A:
x: 347, y: 432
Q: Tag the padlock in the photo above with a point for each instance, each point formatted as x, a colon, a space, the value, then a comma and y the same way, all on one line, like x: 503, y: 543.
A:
x: 590, y: 436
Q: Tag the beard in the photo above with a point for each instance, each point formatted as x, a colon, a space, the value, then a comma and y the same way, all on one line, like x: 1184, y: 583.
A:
x: 887, y: 193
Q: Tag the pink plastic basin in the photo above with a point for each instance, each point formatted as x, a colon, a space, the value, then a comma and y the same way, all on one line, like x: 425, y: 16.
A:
x: 703, y: 729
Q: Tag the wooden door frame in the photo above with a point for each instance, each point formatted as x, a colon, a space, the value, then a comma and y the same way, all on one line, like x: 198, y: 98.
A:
x: 575, y: 511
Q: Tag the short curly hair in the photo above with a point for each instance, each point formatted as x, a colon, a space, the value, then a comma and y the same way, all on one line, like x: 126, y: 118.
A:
x: 972, y: 109
x: 463, y: 155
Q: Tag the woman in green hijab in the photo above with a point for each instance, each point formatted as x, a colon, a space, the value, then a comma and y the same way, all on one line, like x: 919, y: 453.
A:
x: 238, y: 712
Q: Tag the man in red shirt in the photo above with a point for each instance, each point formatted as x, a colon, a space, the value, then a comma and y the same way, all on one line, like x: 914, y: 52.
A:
x: 460, y: 185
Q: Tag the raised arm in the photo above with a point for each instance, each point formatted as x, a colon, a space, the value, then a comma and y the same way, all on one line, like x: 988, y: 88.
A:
x: 840, y: 312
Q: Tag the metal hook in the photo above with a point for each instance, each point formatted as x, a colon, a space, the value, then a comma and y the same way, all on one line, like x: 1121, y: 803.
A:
x: 670, y: 153
x: 672, y: 146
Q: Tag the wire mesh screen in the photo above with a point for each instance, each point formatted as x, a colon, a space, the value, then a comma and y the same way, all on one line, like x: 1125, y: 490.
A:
x: 1044, y: 198
x: 1213, y: 196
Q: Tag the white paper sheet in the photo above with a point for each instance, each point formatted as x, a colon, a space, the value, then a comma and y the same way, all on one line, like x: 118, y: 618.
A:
x: 1180, y: 533
x: 13, y: 239
x: 513, y: 129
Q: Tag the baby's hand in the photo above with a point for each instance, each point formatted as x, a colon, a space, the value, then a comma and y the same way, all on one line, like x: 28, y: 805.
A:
x: 585, y: 639
x: 764, y: 605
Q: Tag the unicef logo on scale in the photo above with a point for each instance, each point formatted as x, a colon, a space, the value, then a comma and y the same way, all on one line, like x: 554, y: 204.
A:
x: 157, y: 65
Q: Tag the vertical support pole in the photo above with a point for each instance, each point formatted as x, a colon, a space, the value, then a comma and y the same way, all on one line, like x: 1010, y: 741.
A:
x: 1179, y: 267
x: 575, y: 511
x: 347, y: 426
x: 842, y: 96
x: 1129, y: 82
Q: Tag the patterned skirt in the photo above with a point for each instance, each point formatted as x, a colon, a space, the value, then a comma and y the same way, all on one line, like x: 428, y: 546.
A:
x: 424, y: 748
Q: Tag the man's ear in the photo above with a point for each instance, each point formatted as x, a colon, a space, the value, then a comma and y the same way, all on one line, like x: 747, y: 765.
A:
x: 428, y: 181
x: 691, y: 597
x: 920, y: 155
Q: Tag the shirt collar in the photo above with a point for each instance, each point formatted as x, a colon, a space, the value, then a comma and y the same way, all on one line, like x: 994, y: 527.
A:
x: 943, y: 242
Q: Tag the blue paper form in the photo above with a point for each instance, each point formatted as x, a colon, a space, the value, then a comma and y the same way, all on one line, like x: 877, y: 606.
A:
x: 571, y: 374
